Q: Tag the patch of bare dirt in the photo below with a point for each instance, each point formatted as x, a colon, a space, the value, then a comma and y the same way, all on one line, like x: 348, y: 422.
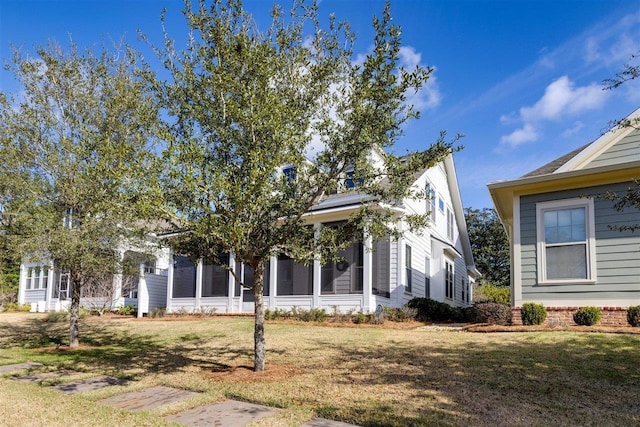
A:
x: 246, y: 374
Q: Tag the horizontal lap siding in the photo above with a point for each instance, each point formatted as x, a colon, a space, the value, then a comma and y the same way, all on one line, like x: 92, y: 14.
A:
x: 617, y: 252
x: 626, y: 150
x: 157, y: 287
x: 34, y: 295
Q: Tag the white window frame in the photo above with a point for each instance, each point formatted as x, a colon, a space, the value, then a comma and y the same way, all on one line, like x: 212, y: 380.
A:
x: 450, y: 224
x: 431, y: 201
x: 541, y: 208
x: 449, y: 279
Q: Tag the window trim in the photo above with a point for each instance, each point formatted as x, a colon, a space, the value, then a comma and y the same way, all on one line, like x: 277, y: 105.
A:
x: 541, y: 261
x: 408, y: 261
x: 449, y: 279
x: 431, y: 197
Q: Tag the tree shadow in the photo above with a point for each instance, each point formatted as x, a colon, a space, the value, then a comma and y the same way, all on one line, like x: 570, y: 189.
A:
x: 584, y: 380
x: 116, y: 352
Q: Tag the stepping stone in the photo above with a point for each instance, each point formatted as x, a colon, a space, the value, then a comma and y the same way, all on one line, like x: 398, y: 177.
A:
x: 89, y: 384
x: 148, y: 399
x: 321, y: 422
x: 229, y: 413
x: 19, y: 367
x: 43, y: 376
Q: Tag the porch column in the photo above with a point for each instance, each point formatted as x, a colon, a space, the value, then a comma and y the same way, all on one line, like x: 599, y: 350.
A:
x: 22, y: 283
x: 317, y: 270
x: 367, y: 274
x: 273, y: 281
x: 231, y: 291
x: 143, y: 292
x: 199, y: 270
x: 170, y: 282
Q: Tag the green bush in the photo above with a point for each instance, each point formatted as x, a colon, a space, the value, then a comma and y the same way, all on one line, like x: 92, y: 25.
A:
x: 126, y: 310
x: 533, y: 313
x: 403, y: 314
x: 492, y: 293
x: 587, y: 316
x: 493, y: 313
x: 633, y: 315
x: 311, y: 315
x: 428, y: 309
x: 14, y: 306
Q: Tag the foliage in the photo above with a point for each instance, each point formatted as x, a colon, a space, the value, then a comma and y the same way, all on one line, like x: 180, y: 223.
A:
x: 243, y: 103
x: 76, y: 151
x: 401, y: 314
x: 126, y: 310
x: 633, y: 315
x: 15, y: 307
x: 491, y: 312
x: 489, y: 245
x: 533, y: 313
x: 432, y: 310
x: 587, y: 316
x: 158, y: 312
x: 490, y: 293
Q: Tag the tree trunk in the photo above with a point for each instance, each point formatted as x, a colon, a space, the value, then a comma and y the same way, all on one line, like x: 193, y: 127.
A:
x: 74, y: 313
x: 260, y: 349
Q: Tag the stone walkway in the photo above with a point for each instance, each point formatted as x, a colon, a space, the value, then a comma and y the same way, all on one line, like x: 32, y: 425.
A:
x: 228, y: 413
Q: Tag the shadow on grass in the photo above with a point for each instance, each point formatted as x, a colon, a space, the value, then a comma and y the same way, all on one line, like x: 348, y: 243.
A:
x: 581, y: 379
x: 111, y: 350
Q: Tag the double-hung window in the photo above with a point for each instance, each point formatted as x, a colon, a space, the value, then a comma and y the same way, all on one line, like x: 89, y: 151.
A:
x: 449, y: 279
x: 408, y: 268
x: 431, y: 202
x: 450, y: 222
x: 566, y: 241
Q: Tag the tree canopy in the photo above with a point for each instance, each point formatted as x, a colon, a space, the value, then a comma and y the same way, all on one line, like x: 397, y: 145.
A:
x: 489, y: 245
x: 76, y: 150
x: 264, y: 124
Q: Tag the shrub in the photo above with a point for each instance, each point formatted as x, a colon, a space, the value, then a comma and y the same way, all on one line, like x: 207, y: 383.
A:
x: 14, y: 306
x: 533, y: 313
x: 491, y: 312
x: 492, y: 293
x: 275, y: 314
x: 633, y: 315
x: 403, y: 314
x: 428, y: 309
x: 56, y: 317
x: 587, y: 316
x: 126, y: 310
x: 312, y: 315
x: 158, y: 312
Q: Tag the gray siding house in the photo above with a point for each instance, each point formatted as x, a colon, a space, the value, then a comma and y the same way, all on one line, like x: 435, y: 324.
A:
x: 567, y: 249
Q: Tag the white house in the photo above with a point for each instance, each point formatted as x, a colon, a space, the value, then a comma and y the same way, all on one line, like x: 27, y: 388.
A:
x: 437, y: 263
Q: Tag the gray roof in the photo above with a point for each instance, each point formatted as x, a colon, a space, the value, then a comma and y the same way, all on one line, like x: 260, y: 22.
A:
x: 554, y: 165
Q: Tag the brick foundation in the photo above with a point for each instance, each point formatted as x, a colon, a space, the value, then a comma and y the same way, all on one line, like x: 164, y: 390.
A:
x: 563, y: 316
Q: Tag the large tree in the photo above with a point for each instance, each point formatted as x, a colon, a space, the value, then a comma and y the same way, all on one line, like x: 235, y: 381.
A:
x: 489, y: 244
x: 76, y: 156
x: 242, y: 103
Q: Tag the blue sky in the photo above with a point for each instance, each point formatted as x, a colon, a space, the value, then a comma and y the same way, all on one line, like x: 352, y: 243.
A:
x: 520, y: 79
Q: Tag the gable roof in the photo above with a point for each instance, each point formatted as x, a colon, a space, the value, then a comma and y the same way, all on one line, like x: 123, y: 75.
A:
x: 583, y: 167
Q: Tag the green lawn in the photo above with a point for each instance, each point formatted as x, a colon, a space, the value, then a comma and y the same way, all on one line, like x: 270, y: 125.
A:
x: 371, y: 376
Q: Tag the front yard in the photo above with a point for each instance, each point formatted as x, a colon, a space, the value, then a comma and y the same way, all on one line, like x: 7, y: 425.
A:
x: 371, y: 376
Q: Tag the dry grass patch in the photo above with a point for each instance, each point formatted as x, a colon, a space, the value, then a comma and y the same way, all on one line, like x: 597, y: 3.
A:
x: 371, y: 376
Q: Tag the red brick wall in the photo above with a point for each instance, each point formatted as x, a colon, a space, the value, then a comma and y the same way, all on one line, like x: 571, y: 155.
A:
x: 563, y: 316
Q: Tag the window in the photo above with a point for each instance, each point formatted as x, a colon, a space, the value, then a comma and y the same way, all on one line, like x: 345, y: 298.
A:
x: 427, y: 277
x: 350, y: 182
x: 566, y: 248
x: 184, y: 277
x: 28, y: 277
x: 381, y: 267
x: 293, y: 278
x: 431, y: 202
x: 215, y: 278
x: 45, y: 277
x: 450, y: 222
x: 289, y: 173
x: 449, y: 279
x: 464, y: 290
x: 150, y: 266
x: 441, y: 204
x: 408, y: 268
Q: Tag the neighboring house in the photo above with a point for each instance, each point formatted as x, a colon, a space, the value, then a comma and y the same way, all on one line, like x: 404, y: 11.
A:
x: 566, y: 249
x: 47, y: 288
x: 437, y: 263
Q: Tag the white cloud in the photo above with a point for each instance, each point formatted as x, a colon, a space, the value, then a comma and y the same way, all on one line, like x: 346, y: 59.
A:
x: 561, y: 99
x: 520, y: 136
x: 573, y: 129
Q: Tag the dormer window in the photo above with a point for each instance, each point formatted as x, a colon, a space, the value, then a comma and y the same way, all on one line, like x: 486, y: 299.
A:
x: 350, y: 182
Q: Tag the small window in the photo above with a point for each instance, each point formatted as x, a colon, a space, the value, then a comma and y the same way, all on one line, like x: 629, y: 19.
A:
x: 150, y: 266
x: 427, y: 277
x: 45, y: 277
x: 450, y: 223
x: 441, y: 204
x: 28, y: 277
x: 449, y: 279
x: 289, y: 173
x: 565, y: 241
x: 431, y: 202
x: 409, y: 270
